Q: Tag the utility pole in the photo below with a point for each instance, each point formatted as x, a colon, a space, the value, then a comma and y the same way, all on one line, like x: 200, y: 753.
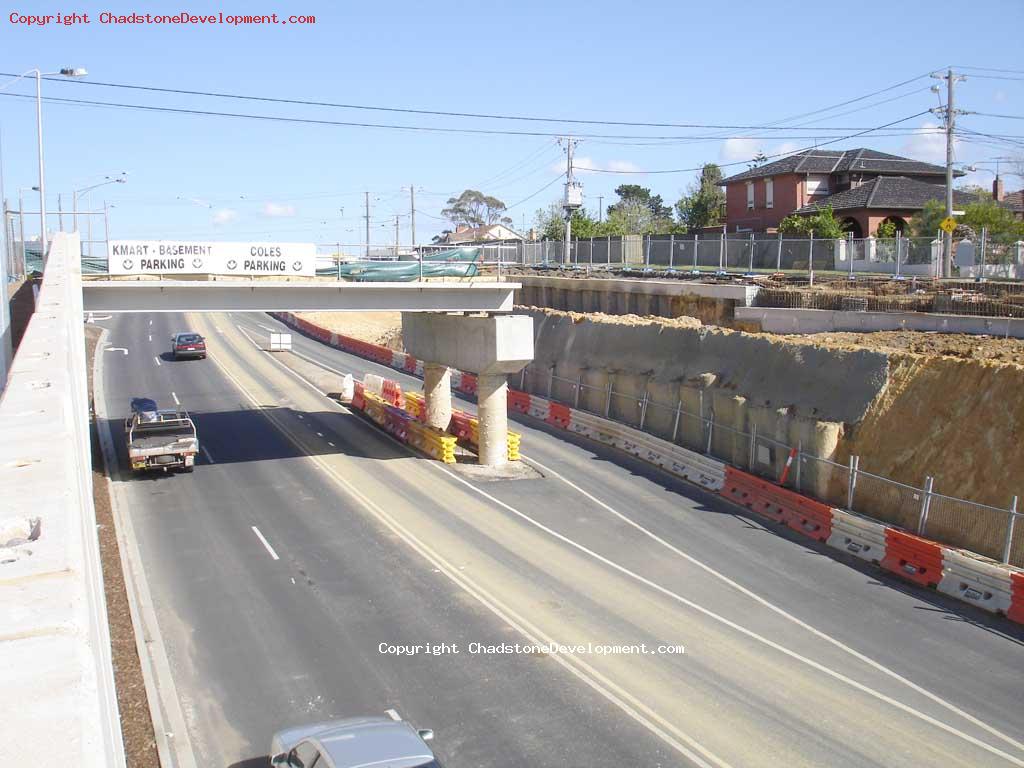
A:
x: 950, y: 114
x: 412, y: 214
x: 573, y: 198
x: 396, y: 236
x: 600, y: 209
x: 367, y: 217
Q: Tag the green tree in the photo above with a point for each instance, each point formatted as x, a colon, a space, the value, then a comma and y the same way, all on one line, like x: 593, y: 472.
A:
x: 474, y: 209
x: 823, y: 224
x: 550, y: 223
x: 999, y: 221
x: 634, y: 192
x: 887, y: 229
x: 704, y: 201
x: 926, y: 223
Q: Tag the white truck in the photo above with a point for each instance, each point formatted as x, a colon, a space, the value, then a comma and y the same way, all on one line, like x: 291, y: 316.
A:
x: 160, y: 438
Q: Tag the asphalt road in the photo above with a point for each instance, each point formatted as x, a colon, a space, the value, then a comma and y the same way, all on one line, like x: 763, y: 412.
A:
x: 306, y: 539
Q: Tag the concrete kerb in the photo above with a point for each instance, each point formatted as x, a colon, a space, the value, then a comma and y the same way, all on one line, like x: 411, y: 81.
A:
x: 854, y: 534
x: 173, y: 745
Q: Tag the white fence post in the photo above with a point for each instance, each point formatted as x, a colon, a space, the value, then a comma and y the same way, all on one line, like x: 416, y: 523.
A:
x: 1011, y: 520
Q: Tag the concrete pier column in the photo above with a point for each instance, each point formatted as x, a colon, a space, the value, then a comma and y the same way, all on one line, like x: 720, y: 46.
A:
x: 492, y: 410
x: 491, y: 346
x: 437, y: 391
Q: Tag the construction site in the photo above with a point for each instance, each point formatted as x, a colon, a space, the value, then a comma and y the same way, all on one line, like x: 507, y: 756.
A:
x: 687, y: 360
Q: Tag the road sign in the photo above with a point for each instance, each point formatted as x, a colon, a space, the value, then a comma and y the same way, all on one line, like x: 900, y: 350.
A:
x: 280, y: 342
x: 948, y: 225
x: 133, y: 257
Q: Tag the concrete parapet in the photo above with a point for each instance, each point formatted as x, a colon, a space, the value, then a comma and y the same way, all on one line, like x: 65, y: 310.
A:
x: 55, y: 665
x: 729, y: 440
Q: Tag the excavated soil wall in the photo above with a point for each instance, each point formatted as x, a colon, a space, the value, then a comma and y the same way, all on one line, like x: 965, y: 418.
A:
x: 907, y: 416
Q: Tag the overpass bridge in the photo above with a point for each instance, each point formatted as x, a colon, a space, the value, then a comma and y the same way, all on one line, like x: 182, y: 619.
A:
x: 54, y: 646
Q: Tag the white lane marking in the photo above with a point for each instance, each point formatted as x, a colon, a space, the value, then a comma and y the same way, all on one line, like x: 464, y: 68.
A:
x: 300, y: 416
x: 319, y: 434
x: 151, y: 337
x: 265, y: 328
x: 266, y: 543
x: 760, y: 638
x: 206, y: 453
x: 176, y: 400
x: 155, y: 357
x: 118, y: 349
x: 219, y: 330
x: 92, y: 318
x: 621, y: 698
x: 150, y: 322
x: 856, y: 654
x: 330, y: 444
x: 393, y: 714
x: 781, y: 611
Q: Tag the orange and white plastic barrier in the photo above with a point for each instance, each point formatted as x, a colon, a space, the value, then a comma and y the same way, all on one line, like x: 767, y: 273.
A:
x: 968, y: 577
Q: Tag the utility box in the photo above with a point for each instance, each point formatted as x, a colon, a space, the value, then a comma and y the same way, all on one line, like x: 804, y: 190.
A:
x: 573, y: 195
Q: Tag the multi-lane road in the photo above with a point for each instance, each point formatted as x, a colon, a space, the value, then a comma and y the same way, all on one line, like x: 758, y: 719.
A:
x: 308, y: 548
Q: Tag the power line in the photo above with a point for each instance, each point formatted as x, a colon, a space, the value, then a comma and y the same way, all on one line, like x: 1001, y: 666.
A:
x: 778, y: 154
x: 1004, y: 117
x: 443, y: 113
x: 993, y: 69
x: 354, y: 124
x: 533, y: 195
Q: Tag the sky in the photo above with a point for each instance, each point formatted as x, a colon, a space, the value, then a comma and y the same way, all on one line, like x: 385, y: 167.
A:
x: 759, y: 64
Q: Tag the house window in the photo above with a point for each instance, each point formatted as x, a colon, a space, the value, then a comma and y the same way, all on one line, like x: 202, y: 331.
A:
x: 817, y: 184
x: 750, y: 195
x: 769, y: 193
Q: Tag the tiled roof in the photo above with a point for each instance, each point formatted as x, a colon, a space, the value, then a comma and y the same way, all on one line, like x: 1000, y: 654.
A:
x: 888, y: 192
x: 842, y: 161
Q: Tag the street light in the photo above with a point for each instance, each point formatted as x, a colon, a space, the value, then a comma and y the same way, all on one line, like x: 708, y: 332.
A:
x: 77, y: 194
x: 39, y: 75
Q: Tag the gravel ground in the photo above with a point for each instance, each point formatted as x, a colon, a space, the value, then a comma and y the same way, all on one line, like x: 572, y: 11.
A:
x: 136, y: 724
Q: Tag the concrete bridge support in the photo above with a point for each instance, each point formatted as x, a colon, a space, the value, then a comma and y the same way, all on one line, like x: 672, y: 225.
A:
x: 491, y: 346
x: 437, y: 392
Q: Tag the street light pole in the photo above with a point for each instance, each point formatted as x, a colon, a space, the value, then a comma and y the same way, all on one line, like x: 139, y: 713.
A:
x: 39, y: 74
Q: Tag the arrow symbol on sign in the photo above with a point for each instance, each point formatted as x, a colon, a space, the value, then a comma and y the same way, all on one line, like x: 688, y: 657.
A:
x: 117, y: 349
x: 297, y: 265
x: 232, y: 264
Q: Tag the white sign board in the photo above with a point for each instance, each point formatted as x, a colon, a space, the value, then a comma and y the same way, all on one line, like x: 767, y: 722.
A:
x: 280, y: 342
x: 184, y: 257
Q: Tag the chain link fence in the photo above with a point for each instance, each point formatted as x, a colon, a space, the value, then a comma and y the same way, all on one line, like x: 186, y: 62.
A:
x: 994, y: 532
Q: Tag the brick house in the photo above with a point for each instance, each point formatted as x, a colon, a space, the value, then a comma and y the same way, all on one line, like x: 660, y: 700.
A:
x: 863, y: 186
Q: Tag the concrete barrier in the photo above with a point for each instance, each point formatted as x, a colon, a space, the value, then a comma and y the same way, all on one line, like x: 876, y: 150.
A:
x: 55, y: 665
x: 977, y: 581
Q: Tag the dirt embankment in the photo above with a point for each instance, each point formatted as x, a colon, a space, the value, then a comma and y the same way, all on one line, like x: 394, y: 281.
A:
x: 950, y: 406
x: 384, y: 328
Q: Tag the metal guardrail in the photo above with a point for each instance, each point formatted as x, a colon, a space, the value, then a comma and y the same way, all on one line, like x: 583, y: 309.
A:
x: 55, y: 658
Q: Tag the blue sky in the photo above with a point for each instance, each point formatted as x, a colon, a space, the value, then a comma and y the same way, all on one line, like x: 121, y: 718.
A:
x: 741, y: 63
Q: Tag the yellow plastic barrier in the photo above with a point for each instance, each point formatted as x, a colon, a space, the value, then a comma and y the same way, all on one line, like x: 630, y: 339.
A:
x: 414, y: 404
x: 432, y: 442
x: 374, y: 408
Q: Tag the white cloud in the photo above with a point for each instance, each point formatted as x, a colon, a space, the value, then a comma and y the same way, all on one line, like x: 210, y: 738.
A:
x: 225, y: 216
x: 739, y: 149
x: 927, y: 143
x: 278, y: 210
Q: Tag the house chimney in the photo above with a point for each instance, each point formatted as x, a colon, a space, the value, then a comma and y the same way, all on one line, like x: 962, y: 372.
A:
x: 997, y: 190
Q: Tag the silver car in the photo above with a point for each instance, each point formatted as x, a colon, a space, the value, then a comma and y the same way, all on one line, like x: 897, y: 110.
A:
x: 355, y: 742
